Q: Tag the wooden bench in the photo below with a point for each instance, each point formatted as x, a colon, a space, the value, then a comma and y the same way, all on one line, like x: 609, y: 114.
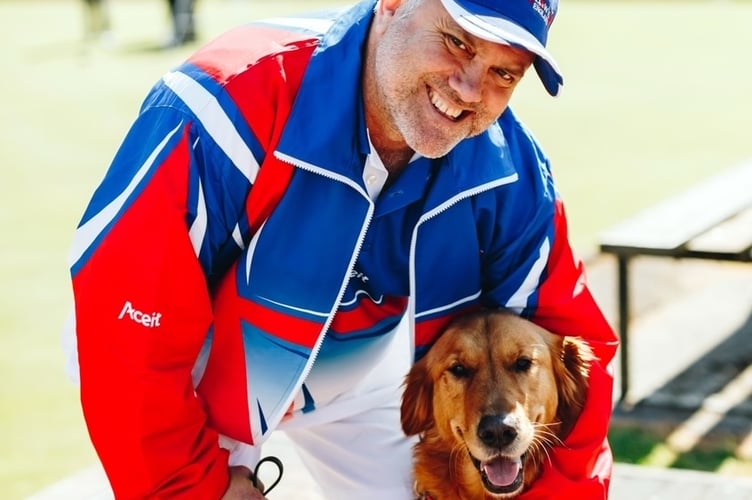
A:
x: 710, y: 221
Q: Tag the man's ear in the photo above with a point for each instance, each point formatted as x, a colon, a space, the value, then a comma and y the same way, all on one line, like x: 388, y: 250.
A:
x: 385, y: 10
x: 389, y: 6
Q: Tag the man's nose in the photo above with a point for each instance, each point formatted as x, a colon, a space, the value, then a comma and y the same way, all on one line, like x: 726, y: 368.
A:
x: 468, y: 82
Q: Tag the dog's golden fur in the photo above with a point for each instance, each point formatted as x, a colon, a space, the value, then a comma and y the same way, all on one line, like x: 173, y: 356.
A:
x: 488, y: 399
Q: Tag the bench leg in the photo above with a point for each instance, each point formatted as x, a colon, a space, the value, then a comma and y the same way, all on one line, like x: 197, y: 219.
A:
x: 623, y: 293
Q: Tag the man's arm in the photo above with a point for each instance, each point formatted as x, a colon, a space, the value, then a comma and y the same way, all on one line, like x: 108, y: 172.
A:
x: 581, y: 467
x: 142, y: 314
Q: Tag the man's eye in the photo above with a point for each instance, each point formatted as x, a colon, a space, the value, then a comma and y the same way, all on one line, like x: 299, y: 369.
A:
x: 457, y: 42
x: 505, y: 77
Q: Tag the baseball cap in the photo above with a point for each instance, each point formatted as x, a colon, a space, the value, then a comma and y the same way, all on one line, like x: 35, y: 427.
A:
x: 522, y: 23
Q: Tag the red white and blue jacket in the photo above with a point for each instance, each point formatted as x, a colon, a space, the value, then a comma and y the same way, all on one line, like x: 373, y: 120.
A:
x: 200, y: 312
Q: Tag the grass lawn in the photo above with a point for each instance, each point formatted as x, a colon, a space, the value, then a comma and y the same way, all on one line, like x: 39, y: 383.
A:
x: 636, y: 445
x: 656, y: 98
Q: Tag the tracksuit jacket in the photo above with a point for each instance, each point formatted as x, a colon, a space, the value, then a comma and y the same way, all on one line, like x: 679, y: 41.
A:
x: 200, y: 309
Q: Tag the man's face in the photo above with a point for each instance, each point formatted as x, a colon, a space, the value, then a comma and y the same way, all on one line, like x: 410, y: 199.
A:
x: 436, y: 84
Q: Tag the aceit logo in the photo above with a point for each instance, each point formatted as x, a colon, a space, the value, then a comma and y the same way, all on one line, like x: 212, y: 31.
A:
x: 546, y: 9
x: 149, y: 320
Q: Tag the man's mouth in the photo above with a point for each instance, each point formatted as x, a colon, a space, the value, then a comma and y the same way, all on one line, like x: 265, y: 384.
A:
x: 445, y: 108
x: 501, y: 475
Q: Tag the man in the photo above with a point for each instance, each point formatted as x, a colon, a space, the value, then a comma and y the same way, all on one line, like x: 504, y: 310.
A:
x: 96, y: 19
x: 183, y: 22
x: 391, y: 189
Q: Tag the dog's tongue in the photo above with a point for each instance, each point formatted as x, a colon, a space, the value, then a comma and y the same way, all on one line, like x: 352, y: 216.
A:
x: 502, y: 471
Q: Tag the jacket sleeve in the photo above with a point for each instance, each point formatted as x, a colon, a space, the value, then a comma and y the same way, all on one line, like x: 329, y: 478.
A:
x: 582, y: 466
x: 139, y: 267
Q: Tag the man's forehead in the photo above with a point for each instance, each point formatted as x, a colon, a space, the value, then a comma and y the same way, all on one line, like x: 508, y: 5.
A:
x: 478, y: 43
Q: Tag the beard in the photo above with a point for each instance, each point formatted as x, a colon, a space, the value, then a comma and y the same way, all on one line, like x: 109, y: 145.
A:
x: 403, y: 102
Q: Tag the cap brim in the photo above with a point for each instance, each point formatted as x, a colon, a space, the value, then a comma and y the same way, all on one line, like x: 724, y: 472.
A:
x: 549, y: 75
x: 500, y: 30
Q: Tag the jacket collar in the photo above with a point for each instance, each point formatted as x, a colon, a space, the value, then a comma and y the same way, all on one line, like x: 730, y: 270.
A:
x: 322, y: 114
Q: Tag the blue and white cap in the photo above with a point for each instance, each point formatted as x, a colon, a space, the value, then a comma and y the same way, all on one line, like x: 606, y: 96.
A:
x: 522, y: 23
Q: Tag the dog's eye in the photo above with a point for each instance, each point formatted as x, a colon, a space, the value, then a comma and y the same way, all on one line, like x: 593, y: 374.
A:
x: 459, y: 370
x: 522, y: 365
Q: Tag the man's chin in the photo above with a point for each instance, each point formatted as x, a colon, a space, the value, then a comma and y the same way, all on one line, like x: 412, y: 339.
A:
x: 433, y: 149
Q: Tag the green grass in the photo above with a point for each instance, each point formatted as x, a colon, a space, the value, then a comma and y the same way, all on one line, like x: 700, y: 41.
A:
x: 656, y: 98
x: 637, y: 445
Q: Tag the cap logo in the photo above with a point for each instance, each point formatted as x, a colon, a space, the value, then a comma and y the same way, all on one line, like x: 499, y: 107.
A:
x: 545, y: 10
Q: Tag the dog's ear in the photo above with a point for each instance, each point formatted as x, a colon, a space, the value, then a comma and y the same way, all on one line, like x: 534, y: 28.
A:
x: 573, y: 368
x: 417, y: 400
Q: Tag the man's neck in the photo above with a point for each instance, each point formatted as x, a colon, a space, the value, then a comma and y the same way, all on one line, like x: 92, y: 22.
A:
x: 384, y: 136
x: 395, y: 160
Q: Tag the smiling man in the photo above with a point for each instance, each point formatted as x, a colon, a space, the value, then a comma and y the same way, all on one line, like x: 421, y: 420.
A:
x: 303, y: 205
x: 430, y: 84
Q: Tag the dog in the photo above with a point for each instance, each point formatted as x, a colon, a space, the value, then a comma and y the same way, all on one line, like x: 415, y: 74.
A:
x: 487, y: 401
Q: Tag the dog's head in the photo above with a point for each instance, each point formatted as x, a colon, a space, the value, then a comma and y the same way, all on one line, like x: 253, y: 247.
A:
x: 499, y: 389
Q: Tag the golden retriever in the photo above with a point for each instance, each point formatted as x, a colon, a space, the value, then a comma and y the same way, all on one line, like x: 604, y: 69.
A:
x: 488, y: 399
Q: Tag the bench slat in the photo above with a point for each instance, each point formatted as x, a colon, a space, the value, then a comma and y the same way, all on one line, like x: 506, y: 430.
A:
x: 733, y: 237
x: 666, y: 227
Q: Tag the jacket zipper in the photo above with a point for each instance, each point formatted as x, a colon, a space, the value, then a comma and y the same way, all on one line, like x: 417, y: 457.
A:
x: 358, y: 246
x: 428, y: 216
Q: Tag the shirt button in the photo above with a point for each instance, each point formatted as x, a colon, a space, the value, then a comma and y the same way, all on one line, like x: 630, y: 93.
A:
x: 370, y: 179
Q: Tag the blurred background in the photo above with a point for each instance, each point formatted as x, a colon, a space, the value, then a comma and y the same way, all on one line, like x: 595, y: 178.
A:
x: 656, y: 98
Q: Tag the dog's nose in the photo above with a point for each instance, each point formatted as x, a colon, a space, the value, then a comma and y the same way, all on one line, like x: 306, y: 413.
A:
x: 495, y: 431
